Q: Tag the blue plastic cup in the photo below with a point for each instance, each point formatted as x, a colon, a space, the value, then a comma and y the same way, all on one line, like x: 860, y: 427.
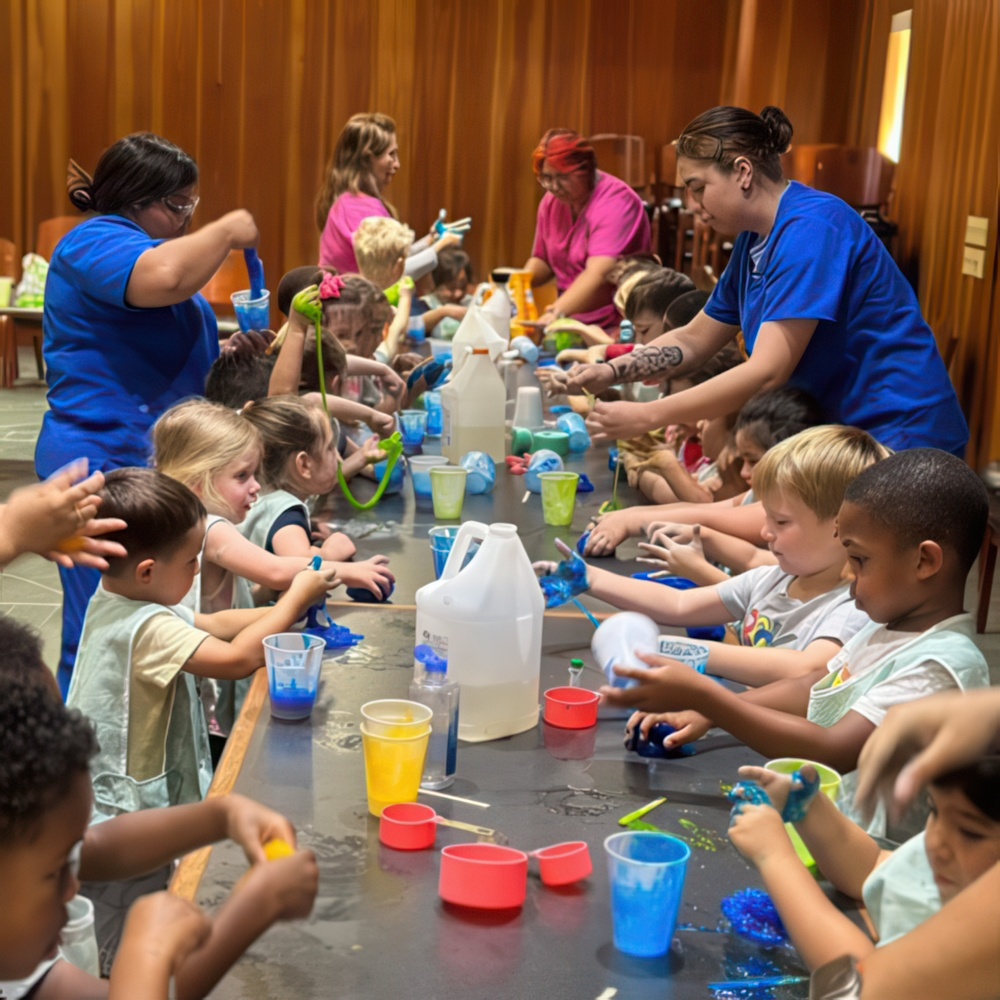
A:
x: 252, y: 314
x: 413, y: 427
x: 573, y: 425
x: 646, y: 871
x: 435, y: 415
x: 395, y: 483
x: 442, y: 539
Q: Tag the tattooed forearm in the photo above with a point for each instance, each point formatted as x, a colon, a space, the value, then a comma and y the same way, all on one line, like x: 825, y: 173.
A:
x: 645, y: 362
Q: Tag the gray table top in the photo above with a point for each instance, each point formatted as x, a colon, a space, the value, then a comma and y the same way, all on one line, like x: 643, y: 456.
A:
x: 379, y: 929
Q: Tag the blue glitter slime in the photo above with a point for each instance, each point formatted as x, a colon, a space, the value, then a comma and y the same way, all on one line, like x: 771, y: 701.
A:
x: 320, y: 624
x: 569, y: 579
x: 799, y: 798
x: 753, y: 916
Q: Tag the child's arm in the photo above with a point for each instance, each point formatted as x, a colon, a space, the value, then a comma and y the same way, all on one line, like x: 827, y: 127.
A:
x: 686, y: 489
x: 136, y: 843
x: 396, y: 337
x: 244, y: 653
x: 700, y: 606
x: 844, y: 853
x: 348, y: 411
x: 368, y: 454
x: 757, y: 665
x: 286, y: 375
x: 434, y: 316
x: 819, y: 931
x: 681, y: 544
x: 284, y: 889
x: 732, y: 516
x: 770, y: 719
x: 226, y: 547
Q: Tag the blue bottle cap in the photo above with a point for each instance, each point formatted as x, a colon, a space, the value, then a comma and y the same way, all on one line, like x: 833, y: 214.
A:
x: 433, y: 663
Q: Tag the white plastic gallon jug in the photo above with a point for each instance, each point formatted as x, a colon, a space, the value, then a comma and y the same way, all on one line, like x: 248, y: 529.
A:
x: 498, y: 309
x: 487, y: 620
x: 473, y: 404
x: 474, y: 332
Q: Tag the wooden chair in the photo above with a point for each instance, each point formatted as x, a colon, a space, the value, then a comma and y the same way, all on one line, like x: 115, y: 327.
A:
x: 669, y: 202
x: 988, y: 563
x: 8, y: 343
x: 860, y: 175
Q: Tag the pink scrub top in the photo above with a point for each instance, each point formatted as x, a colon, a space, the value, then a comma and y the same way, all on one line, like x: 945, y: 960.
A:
x: 612, y: 223
x: 336, y: 246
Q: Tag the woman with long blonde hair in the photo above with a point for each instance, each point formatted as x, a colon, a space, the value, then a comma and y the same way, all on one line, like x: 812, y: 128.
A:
x: 362, y: 166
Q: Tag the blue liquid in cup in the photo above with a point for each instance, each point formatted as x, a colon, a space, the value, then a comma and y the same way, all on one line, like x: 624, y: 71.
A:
x: 647, y: 884
x: 252, y: 314
x: 395, y: 480
x: 413, y: 426
x: 441, y: 544
x: 435, y: 414
x: 292, y: 702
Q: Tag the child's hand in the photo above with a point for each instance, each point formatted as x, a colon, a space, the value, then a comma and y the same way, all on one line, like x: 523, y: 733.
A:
x: 57, y: 519
x: 252, y: 825
x: 454, y: 312
x: 658, y: 532
x: 689, y: 726
x: 791, y: 794
x: 608, y: 533
x: 383, y: 424
x: 675, y: 557
x: 372, y: 574
x: 370, y: 449
x: 287, y: 886
x: 337, y: 547
x: 306, y: 308
x: 562, y: 581
x: 664, y: 688
x: 161, y: 925
x: 310, y: 586
x: 448, y: 240
x: 759, y: 834
x: 390, y: 383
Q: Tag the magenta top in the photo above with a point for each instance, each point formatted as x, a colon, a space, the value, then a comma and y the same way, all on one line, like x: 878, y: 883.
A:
x: 613, y: 222
x: 336, y: 248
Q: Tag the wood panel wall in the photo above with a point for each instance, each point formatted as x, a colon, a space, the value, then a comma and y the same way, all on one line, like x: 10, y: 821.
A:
x: 257, y: 91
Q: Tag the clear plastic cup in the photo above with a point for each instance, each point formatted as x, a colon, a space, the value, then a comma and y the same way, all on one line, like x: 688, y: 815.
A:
x: 558, y: 497
x: 293, y: 661
x: 442, y: 540
x: 435, y: 414
x: 413, y: 427
x: 395, y: 716
x: 252, y: 314
x: 448, y: 491
x: 647, y: 872
x: 420, y: 472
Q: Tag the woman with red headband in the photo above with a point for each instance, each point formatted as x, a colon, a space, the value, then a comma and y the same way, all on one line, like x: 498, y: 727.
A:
x: 585, y: 220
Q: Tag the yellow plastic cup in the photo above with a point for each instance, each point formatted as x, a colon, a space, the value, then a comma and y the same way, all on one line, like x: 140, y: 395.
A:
x: 829, y: 784
x: 558, y: 497
x: 394, y: 766
x: 448, y: 491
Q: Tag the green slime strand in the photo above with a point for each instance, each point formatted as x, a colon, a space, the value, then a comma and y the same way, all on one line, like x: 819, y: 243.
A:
x: 312, y: 308
x: 393, y: 448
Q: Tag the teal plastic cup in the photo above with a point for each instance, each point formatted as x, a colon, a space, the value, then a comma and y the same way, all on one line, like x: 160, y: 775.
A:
x: 442, y: 538
x: 646, y: 871
x: 448, y: 491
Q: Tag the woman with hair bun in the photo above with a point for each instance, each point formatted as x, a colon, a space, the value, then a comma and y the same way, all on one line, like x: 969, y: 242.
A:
x: 586, y: 220
x: 821, y: 303
x: 126, y: 334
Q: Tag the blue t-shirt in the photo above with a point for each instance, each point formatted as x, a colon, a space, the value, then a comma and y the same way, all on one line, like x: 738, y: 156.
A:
x: 112, y: 369
x: 872, y: 361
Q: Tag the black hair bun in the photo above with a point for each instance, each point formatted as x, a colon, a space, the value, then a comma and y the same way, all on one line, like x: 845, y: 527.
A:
x: 779, y: 128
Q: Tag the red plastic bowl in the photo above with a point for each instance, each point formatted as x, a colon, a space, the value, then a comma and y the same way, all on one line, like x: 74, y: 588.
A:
x: 571, y: 708
x: 485, y: 876
x: 408, y: 826
x: 563, y: 864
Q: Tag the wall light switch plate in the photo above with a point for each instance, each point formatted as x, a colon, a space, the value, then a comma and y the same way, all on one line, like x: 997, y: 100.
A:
x: 973, y: 262
x: 977, y: 230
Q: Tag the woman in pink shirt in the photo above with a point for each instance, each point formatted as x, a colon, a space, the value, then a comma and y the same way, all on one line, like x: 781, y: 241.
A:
x: 363, y: 164
x: 585, y: 220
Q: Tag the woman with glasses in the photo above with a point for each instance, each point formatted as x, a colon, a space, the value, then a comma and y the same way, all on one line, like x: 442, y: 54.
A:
x: 821, y: 303
x: 126, y: 334
x: 586, y: 220
x: 362, y: 166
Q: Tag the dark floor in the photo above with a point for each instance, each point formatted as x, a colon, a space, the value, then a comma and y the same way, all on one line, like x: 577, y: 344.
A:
x: 29, y: 587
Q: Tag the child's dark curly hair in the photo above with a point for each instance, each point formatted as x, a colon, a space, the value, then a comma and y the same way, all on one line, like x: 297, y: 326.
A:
x: 44, y: 746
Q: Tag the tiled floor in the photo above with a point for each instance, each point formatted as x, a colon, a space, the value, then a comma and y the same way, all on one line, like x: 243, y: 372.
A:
x: 29, y: 587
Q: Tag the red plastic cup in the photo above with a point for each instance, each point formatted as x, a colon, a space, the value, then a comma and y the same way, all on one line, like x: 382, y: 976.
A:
x: 484, y: 876
x: 563, y: 864
x: 571, y: 708
x: 408, y: 826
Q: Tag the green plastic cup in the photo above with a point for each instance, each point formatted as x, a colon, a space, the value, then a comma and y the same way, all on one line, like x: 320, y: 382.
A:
x: 829, y: 785
x: 558, y: 497
x: 448, y: 491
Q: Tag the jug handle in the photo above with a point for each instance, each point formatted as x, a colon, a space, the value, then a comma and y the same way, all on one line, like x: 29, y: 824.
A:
x: 471, y: 531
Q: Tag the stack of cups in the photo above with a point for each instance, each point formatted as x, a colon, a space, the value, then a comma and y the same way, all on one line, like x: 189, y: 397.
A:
x: 420, y: 472
x: 394, y: 736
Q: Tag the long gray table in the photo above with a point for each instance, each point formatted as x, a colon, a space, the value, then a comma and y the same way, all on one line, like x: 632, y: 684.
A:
x: 379, y: 929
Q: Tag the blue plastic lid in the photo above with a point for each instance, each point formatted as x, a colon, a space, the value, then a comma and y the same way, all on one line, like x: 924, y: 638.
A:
x: 433, y: 663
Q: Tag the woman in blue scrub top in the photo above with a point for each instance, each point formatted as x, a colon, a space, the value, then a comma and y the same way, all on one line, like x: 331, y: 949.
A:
x: 126, y: 334
x: 820, y: 301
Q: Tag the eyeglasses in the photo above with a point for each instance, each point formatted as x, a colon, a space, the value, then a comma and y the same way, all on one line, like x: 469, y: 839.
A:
x: 185, y: 210
x: 554, y: 180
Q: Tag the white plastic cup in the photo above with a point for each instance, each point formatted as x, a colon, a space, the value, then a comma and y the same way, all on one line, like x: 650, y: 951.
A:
x: 78, y: 942
x: 616, y: 641
x: 528, y: 411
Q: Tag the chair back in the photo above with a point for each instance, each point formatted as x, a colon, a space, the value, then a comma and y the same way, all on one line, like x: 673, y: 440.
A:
x: 860, y: 175
x: 624, y: 157
x: 51, y: 231
x: 8, y: 259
